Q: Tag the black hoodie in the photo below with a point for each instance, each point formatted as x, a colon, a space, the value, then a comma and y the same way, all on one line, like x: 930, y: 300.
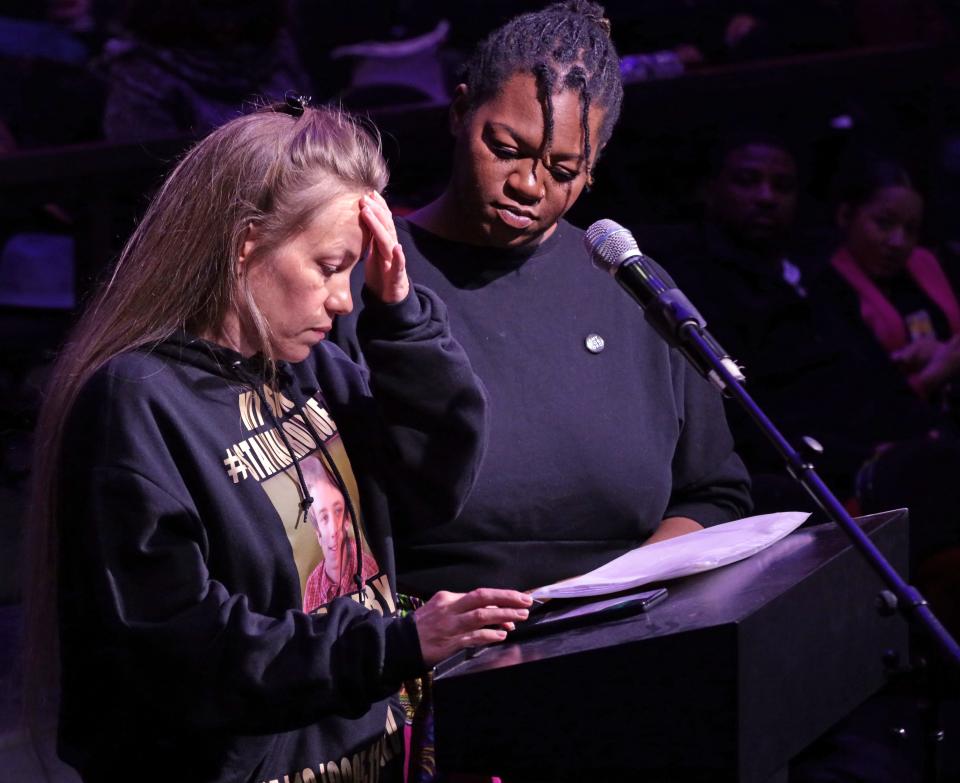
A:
x: 192, y: 648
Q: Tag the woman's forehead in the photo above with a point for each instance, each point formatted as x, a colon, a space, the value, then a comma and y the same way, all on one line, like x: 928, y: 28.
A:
x: 516, y: 108
x: 899, y: 197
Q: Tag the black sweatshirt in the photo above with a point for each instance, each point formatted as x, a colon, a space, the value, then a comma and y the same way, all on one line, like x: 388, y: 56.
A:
x: 187, y: 650
x: 588, y: 451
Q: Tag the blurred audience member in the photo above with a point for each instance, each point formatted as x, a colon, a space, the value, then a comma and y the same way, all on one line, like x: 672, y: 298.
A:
x: 36, y: 252
x: 390, y: 52
x: 183, y: 68
x: 48, y: 94
x: 899, y: 289
x: 717, y: 32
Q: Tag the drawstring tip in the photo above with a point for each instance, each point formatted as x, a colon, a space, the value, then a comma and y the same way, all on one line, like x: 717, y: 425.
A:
x: 359, y: 582
x: 304, y: 510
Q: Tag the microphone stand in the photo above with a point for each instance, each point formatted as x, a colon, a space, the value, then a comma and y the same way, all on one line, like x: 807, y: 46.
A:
x: 677, y: 321
x: 909, y: 602
x: 696, y: 344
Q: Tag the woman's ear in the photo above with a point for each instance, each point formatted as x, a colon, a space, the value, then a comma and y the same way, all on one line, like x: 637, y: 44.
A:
x: 458, y: 109
x: 250, y: 238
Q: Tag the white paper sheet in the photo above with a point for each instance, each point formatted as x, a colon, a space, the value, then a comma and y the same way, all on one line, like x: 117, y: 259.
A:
x: 703, y: 550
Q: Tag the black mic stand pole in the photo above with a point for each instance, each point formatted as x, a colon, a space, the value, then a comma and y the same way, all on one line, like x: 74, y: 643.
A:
x: 909, y: 602
x: 689, y: 330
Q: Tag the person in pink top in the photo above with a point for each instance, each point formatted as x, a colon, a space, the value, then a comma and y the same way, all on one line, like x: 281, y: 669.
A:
x: 904, y: 295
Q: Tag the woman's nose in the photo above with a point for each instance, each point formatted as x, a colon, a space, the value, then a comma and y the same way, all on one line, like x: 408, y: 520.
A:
x: 525, y: 181
x: 339, y: 299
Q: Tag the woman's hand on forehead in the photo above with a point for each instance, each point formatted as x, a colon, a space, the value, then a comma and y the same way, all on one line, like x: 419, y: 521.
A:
x: 386, y: 268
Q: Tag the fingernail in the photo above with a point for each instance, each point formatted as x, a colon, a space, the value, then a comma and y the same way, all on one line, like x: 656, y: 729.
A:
x: 523, y: 614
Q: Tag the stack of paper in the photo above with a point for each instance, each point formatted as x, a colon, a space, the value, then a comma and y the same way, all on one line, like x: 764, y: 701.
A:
x: 703, y: 550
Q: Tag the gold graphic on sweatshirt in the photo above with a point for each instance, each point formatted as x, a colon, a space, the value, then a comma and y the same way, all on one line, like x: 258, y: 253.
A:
x: 265, y: 453
x: 251, y: 408
x: 361, y: 767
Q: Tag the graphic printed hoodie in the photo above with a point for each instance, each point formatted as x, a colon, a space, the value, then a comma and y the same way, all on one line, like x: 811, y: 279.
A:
x: 192, y: 648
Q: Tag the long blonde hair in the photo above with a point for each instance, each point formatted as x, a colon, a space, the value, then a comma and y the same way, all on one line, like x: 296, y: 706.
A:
x: 275, y: 169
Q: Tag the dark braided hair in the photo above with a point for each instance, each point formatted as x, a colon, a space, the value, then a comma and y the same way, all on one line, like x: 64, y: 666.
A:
x: 565, y: 46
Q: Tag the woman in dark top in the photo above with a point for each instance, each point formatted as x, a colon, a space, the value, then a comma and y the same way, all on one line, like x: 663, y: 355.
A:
x: 602, y: 438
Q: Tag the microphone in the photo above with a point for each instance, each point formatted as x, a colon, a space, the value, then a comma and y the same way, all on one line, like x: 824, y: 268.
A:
x: 665, y: 307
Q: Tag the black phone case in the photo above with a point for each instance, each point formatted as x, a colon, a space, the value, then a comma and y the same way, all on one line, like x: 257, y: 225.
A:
x: 564, y: 614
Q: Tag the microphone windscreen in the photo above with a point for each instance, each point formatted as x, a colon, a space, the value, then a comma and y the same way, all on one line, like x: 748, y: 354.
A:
x: 609, y: 244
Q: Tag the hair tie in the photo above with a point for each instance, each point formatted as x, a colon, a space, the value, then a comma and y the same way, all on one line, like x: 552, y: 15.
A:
x: 296, y: 103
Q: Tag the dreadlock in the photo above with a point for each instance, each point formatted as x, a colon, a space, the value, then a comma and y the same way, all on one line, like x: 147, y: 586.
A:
x: 565, y: 46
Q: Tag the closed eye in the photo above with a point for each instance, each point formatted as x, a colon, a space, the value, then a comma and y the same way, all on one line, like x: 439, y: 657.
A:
x: 330, y: 266
x: 503, y: 152
x: 562, y: 174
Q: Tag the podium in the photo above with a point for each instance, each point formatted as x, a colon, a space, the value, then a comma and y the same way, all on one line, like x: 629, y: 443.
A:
x: 734, y: 673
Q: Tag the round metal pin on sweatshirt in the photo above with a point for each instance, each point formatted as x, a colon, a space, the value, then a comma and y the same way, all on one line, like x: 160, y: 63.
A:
x: 594, y: 343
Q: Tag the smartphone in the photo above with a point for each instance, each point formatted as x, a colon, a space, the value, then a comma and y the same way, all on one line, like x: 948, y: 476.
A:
x: 561, y: 614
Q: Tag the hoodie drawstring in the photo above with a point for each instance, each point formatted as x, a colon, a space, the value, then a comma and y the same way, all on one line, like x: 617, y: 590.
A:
x: 306, y: 500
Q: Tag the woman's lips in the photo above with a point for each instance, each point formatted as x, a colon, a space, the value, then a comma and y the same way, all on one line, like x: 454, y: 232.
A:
x: 514, y: 219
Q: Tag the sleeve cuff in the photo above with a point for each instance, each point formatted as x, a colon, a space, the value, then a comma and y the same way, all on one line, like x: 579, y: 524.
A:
x: 396, y: 315
x: 402, y: 657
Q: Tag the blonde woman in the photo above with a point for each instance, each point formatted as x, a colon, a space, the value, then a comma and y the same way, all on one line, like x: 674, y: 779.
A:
x: 170, y: 534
